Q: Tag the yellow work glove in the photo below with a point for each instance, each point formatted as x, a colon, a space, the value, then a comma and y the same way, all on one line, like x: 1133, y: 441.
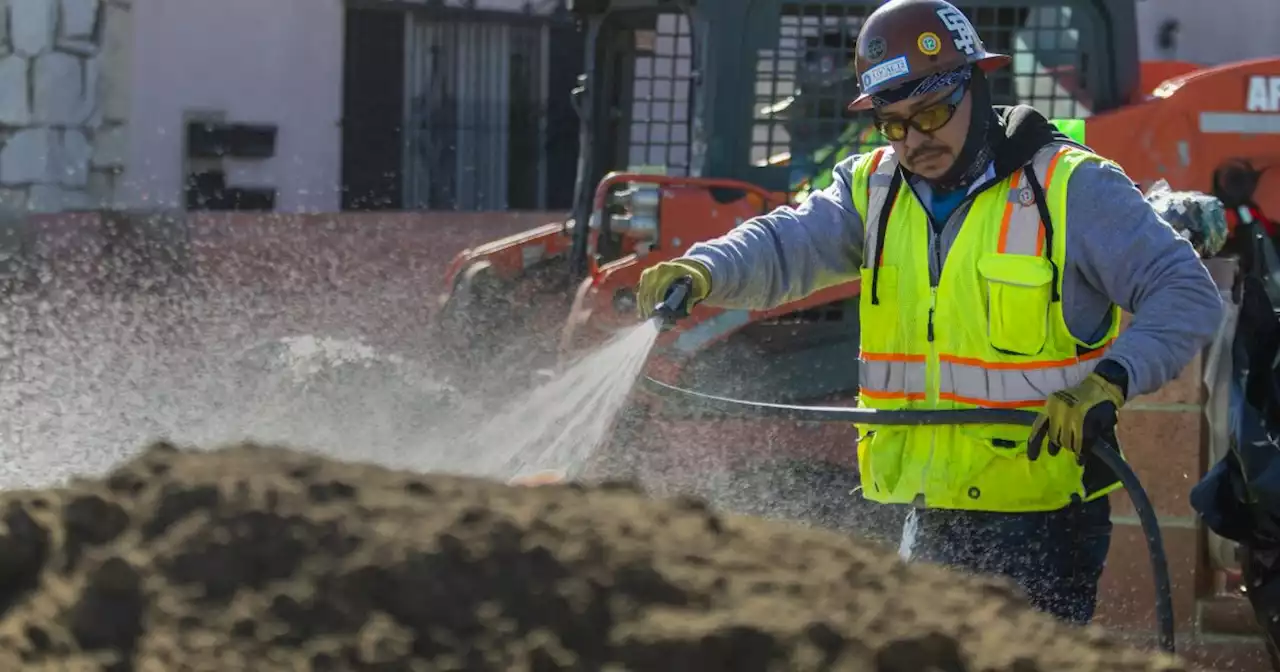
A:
x: 655, y: 281
x: 1077, y: 417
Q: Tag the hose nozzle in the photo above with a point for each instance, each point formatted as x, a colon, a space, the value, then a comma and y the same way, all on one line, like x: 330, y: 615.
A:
x: 675, y: 305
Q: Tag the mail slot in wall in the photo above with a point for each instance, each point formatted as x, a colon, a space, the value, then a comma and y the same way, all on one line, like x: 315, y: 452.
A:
x: 207, y: 140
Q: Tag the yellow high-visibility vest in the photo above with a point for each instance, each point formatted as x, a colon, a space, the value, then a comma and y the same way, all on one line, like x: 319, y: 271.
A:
x: 990, y: 334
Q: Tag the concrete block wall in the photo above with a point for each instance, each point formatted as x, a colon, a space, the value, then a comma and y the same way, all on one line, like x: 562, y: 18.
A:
x: 64, y: 72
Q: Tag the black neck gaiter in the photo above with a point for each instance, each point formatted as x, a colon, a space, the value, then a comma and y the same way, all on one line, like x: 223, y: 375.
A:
x: 980, y: 141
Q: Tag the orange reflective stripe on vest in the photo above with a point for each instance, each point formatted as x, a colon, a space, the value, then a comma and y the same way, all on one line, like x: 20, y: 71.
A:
x: 970, y: 381
x: 1002, y: 385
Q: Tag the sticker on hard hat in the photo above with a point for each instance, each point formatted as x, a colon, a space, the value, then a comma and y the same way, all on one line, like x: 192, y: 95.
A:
x: 929, y: 44
x: 891, y: 69
x: 875, y: 49
x: 962, y: 32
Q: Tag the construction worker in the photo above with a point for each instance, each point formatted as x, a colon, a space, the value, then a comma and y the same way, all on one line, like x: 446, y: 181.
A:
x: 995, y: 256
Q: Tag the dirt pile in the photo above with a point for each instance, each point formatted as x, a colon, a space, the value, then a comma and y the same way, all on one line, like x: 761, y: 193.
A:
x: 254, y: 558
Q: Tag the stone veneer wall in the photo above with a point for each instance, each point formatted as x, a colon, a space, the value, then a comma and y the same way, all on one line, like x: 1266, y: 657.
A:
x: 64, y: 99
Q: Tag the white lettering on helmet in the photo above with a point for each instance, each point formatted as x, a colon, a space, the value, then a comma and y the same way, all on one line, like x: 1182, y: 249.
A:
x: 891, y: 69
x: 962, y: 32
x: 1264, y: 94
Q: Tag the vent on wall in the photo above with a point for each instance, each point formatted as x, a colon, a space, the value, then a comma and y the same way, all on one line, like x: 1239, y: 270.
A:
x: 209, y: 143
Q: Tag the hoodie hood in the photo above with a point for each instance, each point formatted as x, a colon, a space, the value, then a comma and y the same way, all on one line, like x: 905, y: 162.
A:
x: 1024, y: 131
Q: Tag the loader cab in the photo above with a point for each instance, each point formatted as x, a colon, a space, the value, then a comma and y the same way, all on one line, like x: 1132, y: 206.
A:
x: 755, y: 90
x: 819, y: 126
x: 636, y: 106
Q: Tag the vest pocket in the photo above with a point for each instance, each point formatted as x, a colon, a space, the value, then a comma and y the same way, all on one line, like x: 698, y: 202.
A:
x: 995, y: 474
x: 880, y: 457
x: 1019, y: 290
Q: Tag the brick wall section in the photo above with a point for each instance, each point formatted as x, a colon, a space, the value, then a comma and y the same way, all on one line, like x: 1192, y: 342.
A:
x: 64, y: 85
x: 1164, y: 438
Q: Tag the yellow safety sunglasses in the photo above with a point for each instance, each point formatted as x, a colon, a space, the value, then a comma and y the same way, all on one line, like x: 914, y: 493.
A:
x: 926, y: 120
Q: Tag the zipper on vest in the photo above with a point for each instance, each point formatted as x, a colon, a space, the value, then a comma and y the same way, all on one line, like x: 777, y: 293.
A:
x: 935, y: 247
x: 933, y: 370
x: 935, y: 251
x: 933, y: 381
x: 933, y: 300
x: 934, y: 365
x: 933, y: 374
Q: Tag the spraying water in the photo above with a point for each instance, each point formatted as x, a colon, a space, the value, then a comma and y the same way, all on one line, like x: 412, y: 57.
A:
x: 560, y: 424
x: 88, y: 374
x: 93, y: 369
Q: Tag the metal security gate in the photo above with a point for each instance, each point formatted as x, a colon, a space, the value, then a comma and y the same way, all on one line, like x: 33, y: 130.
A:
x: 477, y: 129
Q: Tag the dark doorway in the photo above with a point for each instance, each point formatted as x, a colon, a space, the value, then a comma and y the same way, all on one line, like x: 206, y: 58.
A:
x: 522, y: 122
x: 566, y: 57
x: 372, y: 109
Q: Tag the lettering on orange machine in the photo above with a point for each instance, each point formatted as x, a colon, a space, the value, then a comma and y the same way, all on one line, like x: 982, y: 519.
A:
x: 1263, y: 94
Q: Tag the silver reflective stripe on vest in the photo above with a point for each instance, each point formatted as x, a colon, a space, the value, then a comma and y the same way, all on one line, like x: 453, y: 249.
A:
x: 897, y: 378
x: 1021, y: 231
x: 877, y: 193
x: 972, y: 382
x: 1000, y: 385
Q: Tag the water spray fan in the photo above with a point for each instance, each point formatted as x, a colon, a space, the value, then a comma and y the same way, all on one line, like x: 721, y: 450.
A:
x: 1106, y: 452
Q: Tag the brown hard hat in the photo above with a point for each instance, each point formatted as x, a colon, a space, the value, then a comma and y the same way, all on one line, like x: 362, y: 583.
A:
x: 905, y: 40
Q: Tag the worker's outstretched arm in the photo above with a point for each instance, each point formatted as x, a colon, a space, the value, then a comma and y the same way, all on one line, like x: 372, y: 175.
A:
x: 1121, y: 247
x: 789, y: 253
